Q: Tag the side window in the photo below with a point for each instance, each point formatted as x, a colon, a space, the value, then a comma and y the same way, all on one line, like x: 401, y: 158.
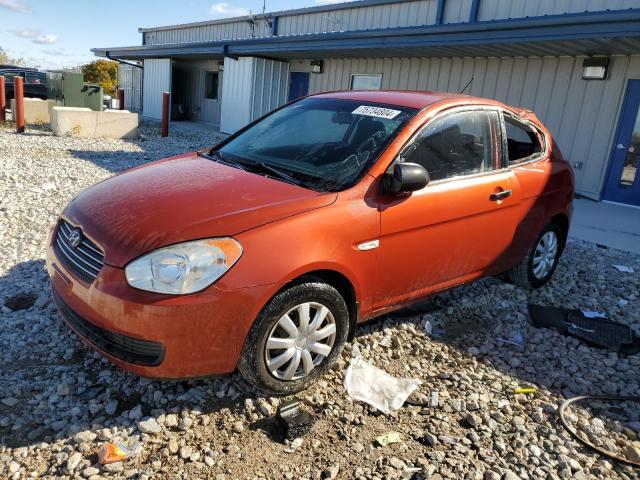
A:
x: 522, y: 140
x: 457, y: 144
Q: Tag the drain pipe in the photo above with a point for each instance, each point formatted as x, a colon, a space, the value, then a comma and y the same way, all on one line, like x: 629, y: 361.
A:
x: 123, y: 62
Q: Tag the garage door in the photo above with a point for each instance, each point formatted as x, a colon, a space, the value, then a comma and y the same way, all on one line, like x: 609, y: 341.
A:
x: 157, y: 79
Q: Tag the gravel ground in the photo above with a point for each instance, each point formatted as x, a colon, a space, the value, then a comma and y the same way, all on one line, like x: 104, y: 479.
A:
x: 59, y: 401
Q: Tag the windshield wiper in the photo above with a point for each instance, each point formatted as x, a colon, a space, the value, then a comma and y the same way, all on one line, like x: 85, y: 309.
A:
x: 251, y: 164
x: 217, y: 156
x: 278, y: 173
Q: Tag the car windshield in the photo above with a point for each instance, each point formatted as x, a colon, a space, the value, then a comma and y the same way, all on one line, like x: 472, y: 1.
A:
x: 324, y: 144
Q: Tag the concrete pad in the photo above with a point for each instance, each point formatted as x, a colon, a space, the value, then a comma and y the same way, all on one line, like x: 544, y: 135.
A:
x: 35, y: 110
x: 616, y: 226
x: 87, y: 123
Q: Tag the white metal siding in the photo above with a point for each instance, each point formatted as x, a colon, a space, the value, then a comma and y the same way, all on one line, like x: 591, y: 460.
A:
x: 157, y: 79
x: 496, y: 9
x: 270, y: 86
x: 236, y: 97
x: 252, y: 87
x: 401, y: 14
x: 405, y: 13
x: 398, y: 14
x: 130, y: 80
x: 581, y: 115
x: 457, y: 11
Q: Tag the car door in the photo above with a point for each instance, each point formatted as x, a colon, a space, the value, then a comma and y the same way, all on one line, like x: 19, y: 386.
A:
x: 455, y: 228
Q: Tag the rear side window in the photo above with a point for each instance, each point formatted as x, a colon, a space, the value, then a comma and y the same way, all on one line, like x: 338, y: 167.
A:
x: 456, y: 145
x: 523, y: 141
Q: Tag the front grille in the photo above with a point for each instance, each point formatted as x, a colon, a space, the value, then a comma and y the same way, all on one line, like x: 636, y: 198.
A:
x: 127, y: 349
x: 85, y: 259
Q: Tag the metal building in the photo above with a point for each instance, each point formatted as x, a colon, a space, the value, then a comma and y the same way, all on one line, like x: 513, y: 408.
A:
x: 576, y: 63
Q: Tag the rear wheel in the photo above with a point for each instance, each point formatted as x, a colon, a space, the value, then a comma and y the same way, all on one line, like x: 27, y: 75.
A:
x: 538, y: 265
x: 295, y: 339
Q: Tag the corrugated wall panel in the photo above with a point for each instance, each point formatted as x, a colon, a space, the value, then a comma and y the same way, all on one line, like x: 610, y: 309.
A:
x: 457, y: 11
x: 130, y: 80
x: 236, y: 97
x: 497, y: 9
x: 270, y: 86
x: 406, y: 13
x: 582, y: 115
x: 157, y: 79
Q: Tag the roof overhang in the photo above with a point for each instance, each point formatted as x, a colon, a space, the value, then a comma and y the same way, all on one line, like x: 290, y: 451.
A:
x: 591, y: 33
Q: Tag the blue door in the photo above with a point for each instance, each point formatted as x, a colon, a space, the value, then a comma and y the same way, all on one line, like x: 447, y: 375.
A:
x: 298, y: 85
x: 623, y: 182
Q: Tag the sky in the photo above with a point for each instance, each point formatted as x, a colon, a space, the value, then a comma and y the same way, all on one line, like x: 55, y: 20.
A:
x: 53, y: 34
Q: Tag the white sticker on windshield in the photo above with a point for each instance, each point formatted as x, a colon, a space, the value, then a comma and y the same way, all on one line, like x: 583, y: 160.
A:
x: 376, y: 112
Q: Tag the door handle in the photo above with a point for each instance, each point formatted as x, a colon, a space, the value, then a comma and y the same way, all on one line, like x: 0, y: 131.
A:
x: 497, y: 196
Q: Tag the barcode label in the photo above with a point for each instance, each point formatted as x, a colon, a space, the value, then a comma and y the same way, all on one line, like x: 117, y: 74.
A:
x: 376, y: 112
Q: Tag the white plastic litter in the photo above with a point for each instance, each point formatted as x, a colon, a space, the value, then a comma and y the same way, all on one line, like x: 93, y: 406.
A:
x: 376, y: 387
x: 428, y: 327
x: 593, y: 314
x: 435, y: 398
x: 623, y: 268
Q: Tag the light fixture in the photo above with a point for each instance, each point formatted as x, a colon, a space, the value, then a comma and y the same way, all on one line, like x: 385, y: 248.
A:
x: 316, y: 66
x: 595, y: 68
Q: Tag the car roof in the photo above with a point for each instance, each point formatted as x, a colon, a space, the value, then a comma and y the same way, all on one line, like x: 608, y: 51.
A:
x: 402, y: 98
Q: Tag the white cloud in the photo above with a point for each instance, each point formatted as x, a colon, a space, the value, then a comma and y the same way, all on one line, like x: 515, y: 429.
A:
x: 224, y: 9
x: 26, y: 32
x: 15, y: 5
x: 47, y: 39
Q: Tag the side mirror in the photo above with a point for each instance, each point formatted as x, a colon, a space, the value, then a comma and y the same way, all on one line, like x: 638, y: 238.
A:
x: 406, y: 177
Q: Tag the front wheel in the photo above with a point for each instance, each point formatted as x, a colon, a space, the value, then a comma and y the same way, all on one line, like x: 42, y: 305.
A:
x: 538, y: 265
x: 295, y: 339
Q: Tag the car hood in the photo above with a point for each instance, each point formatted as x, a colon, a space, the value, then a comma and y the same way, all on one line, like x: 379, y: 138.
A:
x: 180, y: 199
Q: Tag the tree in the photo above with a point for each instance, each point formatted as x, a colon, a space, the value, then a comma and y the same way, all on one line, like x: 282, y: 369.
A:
x: 5, y: 59
x: 102, y: 72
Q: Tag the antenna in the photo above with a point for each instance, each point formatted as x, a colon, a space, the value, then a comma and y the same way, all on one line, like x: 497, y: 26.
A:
x: 468, y: 83
x: 267, y: 19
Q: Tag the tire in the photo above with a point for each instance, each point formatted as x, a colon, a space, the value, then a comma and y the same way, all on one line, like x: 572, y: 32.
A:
x: 525, y: 274
x: 269, y: 325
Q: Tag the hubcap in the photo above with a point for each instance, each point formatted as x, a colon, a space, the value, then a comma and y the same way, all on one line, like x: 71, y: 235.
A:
x: 300, y: 340
x: 544, y: 258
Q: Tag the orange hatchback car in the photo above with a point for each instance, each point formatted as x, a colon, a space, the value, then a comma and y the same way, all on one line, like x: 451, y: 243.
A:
x: 264, y: 252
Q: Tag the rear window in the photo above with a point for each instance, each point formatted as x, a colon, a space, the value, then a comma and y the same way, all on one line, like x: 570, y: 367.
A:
x: 523, y: 141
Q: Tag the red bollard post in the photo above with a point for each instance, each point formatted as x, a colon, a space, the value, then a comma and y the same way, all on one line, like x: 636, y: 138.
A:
x: 3, y: 101
x: 165, y: 114
x: 18, y: 95
x: 121, y: 99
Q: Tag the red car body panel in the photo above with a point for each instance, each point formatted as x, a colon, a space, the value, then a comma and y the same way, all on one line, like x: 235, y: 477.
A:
x: 444, y: 235
x: 185, y: 197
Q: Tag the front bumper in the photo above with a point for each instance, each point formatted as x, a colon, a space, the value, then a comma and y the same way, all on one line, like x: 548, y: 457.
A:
x: 155, y: 335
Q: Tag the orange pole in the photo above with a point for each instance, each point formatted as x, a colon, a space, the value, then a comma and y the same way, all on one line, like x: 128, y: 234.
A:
x: 18, y: 94
x: 121, y: 99
x: 165, y: 114
x: 3, y: 101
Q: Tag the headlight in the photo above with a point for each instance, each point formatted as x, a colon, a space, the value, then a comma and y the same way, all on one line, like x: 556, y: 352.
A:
x: 184, y: 268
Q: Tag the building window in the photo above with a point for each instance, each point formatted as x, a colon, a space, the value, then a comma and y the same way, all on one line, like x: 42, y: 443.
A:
x: 211, y: 86
x: 366, y: 82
